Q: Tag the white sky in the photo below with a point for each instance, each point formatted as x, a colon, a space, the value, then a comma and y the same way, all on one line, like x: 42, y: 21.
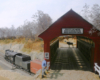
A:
x: 15, y: 12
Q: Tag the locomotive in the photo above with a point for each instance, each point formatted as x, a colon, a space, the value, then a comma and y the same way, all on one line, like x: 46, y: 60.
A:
x: 20, y: 60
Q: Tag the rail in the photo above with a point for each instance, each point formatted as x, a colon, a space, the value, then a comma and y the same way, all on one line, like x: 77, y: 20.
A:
x: 97, y: 69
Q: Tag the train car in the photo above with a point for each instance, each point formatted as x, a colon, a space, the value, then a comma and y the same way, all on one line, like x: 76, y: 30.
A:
x: 7, y: 53
x: 26, y: 65
x: 10, y: 55
x: 23, y: 61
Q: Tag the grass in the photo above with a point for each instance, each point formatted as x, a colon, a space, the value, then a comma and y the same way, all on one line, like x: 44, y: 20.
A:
x: 7, y: 41
x: 33, y: 46
x: 29, y: 45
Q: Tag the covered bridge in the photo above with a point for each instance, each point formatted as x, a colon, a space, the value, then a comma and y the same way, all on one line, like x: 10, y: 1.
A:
x: 77, y: 26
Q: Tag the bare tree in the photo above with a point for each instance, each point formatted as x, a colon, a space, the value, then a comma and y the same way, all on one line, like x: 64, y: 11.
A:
x: 92, y: 15
x: 86, y: 12
x: 95, y: 15
x: 28, y: 29
x: 43, y: 21
x: 19, y: 32
x: 1, y: 33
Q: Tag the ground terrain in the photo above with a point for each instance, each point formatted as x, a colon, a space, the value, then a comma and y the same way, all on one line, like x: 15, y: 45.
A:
x: 35, y: 50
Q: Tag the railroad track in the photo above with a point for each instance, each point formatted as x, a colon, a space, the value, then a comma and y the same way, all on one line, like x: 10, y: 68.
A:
x: 2, y: 57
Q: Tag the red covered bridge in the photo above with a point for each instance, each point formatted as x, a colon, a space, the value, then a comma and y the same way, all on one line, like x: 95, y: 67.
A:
x: 73, y: 21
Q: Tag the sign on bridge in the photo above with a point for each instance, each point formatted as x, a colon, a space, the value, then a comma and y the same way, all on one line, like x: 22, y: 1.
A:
x: 72, y: 30
x: 47, y: 55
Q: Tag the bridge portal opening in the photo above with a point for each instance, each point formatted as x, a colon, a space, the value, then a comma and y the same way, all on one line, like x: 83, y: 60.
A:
x: 71, y: 53
x: 67, y: 41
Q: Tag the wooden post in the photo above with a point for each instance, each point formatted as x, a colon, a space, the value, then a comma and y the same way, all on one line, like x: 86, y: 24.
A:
x: 96, y: 51
x: 47, y: 50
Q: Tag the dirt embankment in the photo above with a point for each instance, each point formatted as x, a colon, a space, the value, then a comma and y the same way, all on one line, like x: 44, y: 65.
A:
x: 9, y: 75
x: 32, y: 48
x: 29, y: 47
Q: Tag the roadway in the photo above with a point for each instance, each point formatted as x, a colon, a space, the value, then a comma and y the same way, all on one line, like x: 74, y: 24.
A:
x: 70, y: 59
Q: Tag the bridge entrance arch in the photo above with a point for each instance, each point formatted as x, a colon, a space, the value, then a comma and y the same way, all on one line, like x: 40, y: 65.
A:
x: 71, y: 23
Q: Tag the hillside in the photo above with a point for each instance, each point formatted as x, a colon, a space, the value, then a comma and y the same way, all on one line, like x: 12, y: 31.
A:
x: 34, y: 48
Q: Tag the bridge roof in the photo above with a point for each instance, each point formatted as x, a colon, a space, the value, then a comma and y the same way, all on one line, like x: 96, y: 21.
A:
x: 69, y: 20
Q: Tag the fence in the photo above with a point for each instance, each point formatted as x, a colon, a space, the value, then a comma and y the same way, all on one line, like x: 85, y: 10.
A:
x: 53, y: 49
x: 97, y: 69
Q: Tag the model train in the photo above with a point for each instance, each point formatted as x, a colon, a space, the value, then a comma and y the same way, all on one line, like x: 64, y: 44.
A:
x: 19, y: 60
